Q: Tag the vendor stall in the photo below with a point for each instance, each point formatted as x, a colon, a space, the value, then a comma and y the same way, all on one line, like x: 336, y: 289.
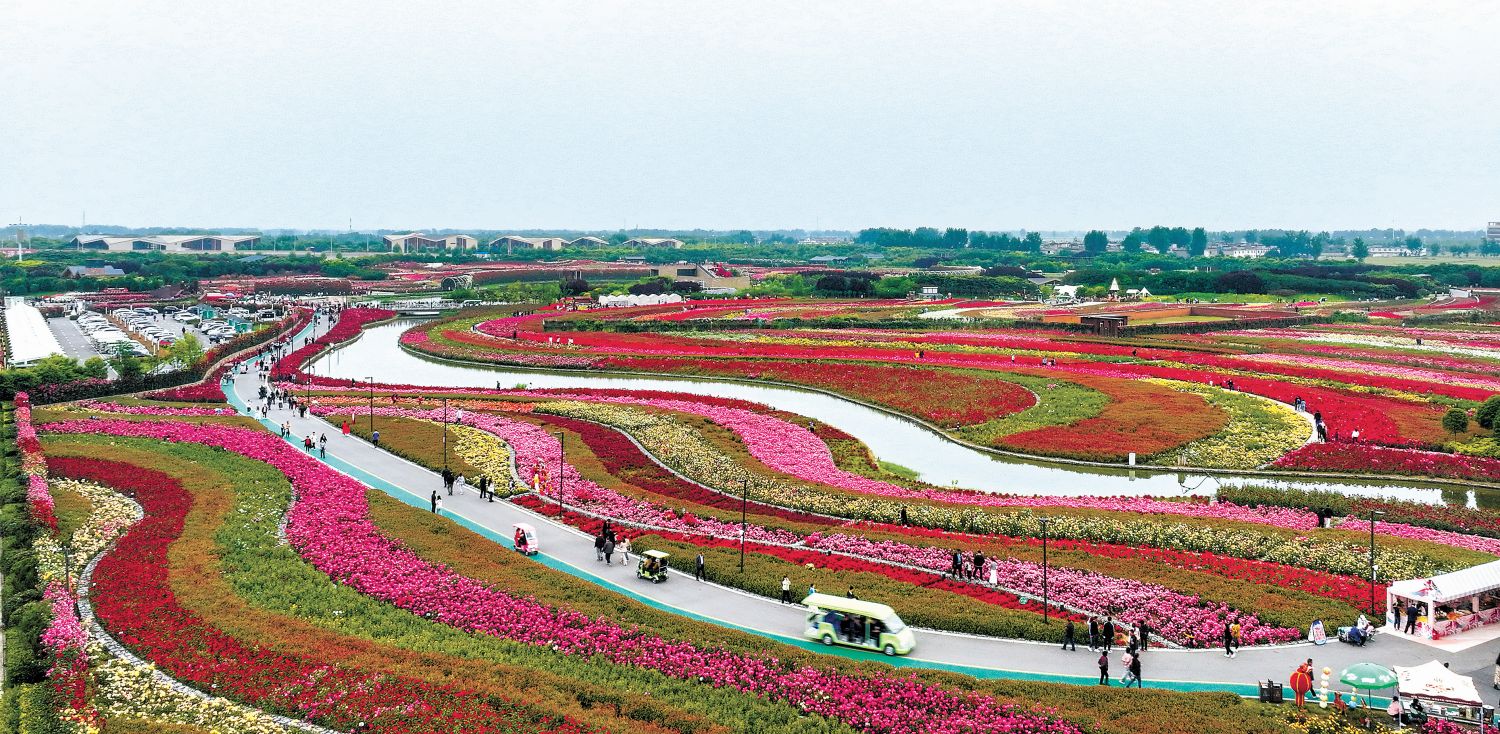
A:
x: 1442, y: 692
x: 1447, y: 604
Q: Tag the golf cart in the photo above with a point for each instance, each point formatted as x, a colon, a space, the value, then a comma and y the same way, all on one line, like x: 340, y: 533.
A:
x: 653, y: 566
x: 525, y: 539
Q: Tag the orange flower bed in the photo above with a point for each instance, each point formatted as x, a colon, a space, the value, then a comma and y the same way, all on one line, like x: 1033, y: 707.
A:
x: 1141, y: 417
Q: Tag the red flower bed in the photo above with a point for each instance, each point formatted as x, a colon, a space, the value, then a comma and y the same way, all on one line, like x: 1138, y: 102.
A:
x: 133, y: 599
x: 623, y: 460
x: 1363, y: 459
x: 948, y: 399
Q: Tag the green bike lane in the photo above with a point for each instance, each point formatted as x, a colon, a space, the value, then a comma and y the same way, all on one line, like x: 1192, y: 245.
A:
x: 570, y: 551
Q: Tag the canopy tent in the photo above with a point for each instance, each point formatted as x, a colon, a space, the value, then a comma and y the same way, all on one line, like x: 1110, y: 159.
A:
x: 1449, y: 603
x: 639, y: 300
x: 1433, y: 682
x: 1451, y: 586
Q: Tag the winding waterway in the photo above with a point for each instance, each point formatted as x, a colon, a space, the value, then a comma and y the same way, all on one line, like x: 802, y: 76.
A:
x: 936, y: 458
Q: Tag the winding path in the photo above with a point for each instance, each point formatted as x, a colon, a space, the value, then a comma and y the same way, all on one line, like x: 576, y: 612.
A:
x: 571, y: 551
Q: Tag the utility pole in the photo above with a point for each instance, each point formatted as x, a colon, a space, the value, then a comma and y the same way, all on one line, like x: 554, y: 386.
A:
x: 1046, y: 611
x: 744, y: 500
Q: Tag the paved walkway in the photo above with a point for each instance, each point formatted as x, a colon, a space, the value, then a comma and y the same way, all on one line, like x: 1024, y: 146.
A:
x: 572, y: 551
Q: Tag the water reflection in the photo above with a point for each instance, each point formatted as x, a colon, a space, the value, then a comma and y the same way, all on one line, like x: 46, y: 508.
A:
x: 933, y: 456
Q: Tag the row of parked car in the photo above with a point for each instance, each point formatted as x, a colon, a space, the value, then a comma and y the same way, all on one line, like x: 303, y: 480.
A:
x: 106, y: 337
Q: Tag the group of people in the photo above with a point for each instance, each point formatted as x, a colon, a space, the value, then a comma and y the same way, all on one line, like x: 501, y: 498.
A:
x: 1102, y: 637
x: 607, y: 542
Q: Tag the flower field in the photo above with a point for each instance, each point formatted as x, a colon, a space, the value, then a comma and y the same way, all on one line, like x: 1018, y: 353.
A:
x: 240, y: 583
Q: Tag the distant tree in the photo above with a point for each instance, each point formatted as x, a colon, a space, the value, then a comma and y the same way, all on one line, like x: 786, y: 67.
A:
x: 575, y: 286
x: 955, y: 238
x: 1455, y: 421
x: 1199, y: 243
x: 1489, y: 412
x: 1226, y: 237
x: 1414, y: 245
x: 1033, y: 242
x: 1240, y: 281
x: 186, y: 351
x: 652, y: 287
x: 1180, y: 237
x: 1434, y: 249
x: 1095, y: 242
x: 927, y: 236
x: 1360, y: 251
x: 1252, y: 236
x: 1159, y: 238
x: 1132, y: 241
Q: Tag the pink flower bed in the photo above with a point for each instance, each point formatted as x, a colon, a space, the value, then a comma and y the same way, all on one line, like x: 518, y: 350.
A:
x: 1186, y: 620
x: 536, y: 456
x: 33, y: 465
x: 100, y: 406
x: 1415, y: 532
x: 329, y: 526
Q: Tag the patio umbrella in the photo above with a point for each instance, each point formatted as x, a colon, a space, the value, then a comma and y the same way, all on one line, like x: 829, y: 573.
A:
x: 1367, y: 677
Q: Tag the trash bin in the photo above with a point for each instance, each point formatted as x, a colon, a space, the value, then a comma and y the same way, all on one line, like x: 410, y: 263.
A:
x: 1270, y: 692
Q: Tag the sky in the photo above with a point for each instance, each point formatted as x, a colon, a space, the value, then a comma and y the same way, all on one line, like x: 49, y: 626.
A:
x: 995, y: 115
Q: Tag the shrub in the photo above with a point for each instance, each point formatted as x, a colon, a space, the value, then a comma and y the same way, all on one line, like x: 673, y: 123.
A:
x: 1455, y: 421
x: 1488, y: 412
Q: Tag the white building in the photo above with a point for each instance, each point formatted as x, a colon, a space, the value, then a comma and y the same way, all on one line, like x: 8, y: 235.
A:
x: 26, y: 331
x: 1492, y: 233
x: 512, y: 243
x: 419, y: 242
x: 1388, y: 251
x: 169, y: 243
x: 654, y: 242
x: 1244, y: 250
x: 588, y: 241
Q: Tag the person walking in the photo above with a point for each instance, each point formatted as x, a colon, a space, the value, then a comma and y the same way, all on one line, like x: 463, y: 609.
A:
x: 958, y: 563
x: 1145, y: 636
x: 375, y: 438
x: 1135, y: 671
x: 609, y: 551
x: 1411, y: 618
x: 1109, y: 634
x: 484, y: 486
x: 462, y: 484
x: 978, y: 563
x: 699, y: 572
x: 434, y: 501
x: 322, y: 439
x: 1228, y: 642
x: 439, y: 507
x: 624, y: 545
x: 786, y: 598
x: 1301, y: 683
x: 1234, y: 633
x: 447, y: 475
x: 599, y: 547
x: 345, y: 428
x: 1068, y: 633
x: 1093, y: 632
x: 1103, y: 668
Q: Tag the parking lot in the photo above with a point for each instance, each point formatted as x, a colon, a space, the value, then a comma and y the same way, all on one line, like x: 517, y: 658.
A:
x: 78, y: 345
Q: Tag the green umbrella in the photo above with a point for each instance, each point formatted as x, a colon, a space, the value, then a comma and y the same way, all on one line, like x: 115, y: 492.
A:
x: 1368, y: 676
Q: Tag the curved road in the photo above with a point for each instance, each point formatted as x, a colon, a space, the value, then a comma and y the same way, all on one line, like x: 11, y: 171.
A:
x: 569, y: 550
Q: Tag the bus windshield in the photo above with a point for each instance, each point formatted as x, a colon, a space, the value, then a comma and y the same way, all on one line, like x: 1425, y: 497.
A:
x: 893, y: 624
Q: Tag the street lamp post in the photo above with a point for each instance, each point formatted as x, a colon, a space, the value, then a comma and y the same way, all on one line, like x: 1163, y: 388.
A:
x: 1046, y: 612
x: 562, y: 438
x: 372, y: 407
x: 445, y: 434
x: 1373, y: 514
x: 744, y: 500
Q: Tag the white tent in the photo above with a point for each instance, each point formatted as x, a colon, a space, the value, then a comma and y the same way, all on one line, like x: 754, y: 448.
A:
x: 1471, y: 596
x: 651, y: 300
x: 1443, y: 693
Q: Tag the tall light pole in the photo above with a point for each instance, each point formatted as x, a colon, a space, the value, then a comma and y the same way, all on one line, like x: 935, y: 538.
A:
x: 445, y: 434
x: 1046, y: 611
x: 372, y: 407
x: 744, y: 500
x: 1373, y: 514
x: 562, y: 510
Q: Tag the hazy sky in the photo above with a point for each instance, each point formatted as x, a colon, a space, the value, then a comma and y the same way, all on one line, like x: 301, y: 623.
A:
x: 991, y: 115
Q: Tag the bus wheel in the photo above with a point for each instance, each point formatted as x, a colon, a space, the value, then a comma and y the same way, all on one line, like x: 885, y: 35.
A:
x: 890, y: 650
x: 828, y: 640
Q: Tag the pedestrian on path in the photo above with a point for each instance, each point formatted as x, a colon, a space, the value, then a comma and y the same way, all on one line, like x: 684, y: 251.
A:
x: 1145, y: 635
x: 599, y: 547
x: 698, y: 571
x: 1228, y: 642
x: 786, y: 598
x: 1497, y: 673
x: 1235, y: 631
x: 1135, y: 671
x: 609, y: 551
x: 484, y: 486
x: 322, y: 439
x: 345, y: 428
x: 1068, y: 633
x: 1103, y: 668
x: 462, y: 484
x: 434, y: 501
x: 307, y: 443
x: 323, y: 451
x: 1109, y: 634
x: 624, y: 545
x: 438, y: 508
x: 375, y: 438
x: 447, y: 476
x: 1093, y: 632
x: 1411, y: 618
